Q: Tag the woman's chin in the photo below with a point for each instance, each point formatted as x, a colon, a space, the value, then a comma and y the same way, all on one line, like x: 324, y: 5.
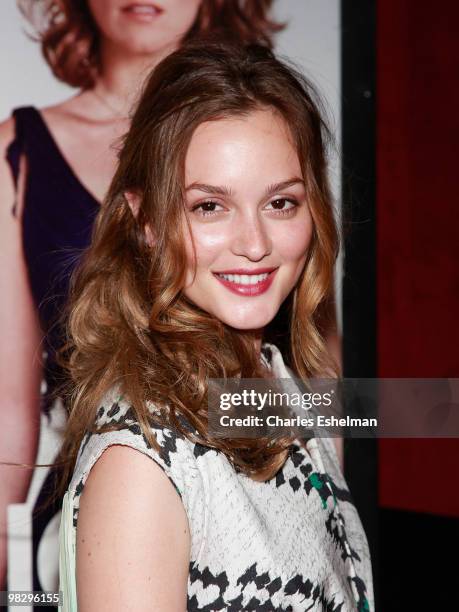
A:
x: 248, y: 324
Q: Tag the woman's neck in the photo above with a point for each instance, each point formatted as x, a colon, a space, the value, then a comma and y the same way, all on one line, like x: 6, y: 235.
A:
x: 122, y: 74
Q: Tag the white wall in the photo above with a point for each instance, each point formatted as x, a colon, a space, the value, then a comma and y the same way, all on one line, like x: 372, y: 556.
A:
x: 312, y: 40
x: 25, y: 77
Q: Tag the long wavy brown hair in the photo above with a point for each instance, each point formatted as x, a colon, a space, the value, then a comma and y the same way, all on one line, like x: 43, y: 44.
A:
x: 129, y: 323
x: 69, y: 36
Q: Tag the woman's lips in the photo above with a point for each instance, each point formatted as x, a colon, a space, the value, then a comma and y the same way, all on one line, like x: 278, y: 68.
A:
x: 139, y: 11
x: 247, y: 284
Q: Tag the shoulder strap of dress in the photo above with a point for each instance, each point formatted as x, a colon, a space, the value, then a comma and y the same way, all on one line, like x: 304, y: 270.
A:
x: 23, y: 118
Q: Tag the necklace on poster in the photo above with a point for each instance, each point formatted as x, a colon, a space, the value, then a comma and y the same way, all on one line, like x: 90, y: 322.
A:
x: 117, y: 112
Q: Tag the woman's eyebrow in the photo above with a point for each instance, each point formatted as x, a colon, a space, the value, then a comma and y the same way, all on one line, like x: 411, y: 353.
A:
x: 220, y: 190
x: 282, y: 185
x: 226, y: 191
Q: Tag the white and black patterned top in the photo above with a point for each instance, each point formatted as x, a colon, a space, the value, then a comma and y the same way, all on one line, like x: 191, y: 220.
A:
x: 292, y: 543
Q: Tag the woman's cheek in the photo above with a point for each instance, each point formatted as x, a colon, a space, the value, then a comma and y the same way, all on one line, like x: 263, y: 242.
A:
x: 293, y: 242
x: 210, y: 243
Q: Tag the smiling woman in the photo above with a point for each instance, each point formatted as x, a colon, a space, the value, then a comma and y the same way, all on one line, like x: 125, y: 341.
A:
x: 219, y: 212
x: 252, y: 232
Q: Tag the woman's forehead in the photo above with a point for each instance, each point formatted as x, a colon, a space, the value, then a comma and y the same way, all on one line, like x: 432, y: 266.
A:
x: 234, y: 148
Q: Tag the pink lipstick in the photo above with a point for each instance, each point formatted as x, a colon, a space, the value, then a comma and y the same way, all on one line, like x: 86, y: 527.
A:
x: 247, y: 282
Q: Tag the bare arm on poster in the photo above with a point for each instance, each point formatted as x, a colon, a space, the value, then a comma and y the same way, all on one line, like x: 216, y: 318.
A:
x: 20, y: 354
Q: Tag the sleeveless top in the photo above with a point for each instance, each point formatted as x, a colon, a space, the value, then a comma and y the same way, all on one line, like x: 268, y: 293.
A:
x: 292, y: 543
x: 57, y: 219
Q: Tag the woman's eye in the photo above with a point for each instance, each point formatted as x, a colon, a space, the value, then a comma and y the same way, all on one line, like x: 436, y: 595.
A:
x: 206, y: 209
x: 282, y: 206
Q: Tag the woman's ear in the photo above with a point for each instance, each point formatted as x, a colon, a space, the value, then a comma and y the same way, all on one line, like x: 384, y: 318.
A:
x: 134, y: 198
x: 149, y: 236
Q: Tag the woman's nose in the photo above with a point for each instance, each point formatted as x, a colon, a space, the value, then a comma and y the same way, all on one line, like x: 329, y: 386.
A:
x: 251, y: 238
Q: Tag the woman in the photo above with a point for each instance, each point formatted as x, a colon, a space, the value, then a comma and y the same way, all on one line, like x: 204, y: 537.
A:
x: 219, y: 216
x: 55, y: 166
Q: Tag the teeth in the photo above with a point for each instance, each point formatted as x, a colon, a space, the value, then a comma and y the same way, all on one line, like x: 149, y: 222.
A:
x: 245, y: 279
x: 142, y: 9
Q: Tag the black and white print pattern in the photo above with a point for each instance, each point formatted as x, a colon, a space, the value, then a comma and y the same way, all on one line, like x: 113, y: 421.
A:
x: 293, y: 543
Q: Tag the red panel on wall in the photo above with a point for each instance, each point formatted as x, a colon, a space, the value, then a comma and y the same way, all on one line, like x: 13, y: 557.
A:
x: 418, y: 233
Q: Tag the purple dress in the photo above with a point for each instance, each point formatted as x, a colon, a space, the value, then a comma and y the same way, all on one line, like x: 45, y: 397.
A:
x: 57, y: 219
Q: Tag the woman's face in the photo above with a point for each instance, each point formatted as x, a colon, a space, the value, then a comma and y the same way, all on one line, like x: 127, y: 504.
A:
x: 145, y: 27
x: 250, y: 221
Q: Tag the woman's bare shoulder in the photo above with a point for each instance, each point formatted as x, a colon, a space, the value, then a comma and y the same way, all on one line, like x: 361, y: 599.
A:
x: 6, y: 134
x: 7, y: 187
x: 61, y: 109
x: 132, y: 521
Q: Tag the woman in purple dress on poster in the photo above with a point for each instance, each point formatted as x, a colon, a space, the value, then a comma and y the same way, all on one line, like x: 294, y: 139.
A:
x: 56, y: 164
